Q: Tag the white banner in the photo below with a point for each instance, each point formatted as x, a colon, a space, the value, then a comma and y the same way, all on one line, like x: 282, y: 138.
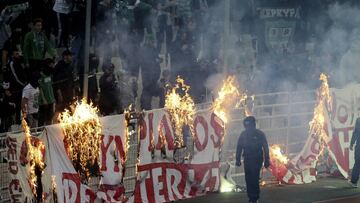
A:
x: 159, y: 178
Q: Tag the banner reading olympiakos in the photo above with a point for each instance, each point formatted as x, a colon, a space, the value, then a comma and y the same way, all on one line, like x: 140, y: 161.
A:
x: 160, y: 179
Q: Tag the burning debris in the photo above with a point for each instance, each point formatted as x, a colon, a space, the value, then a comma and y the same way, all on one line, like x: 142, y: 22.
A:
x: 281, y: 165
x: 181, y: 108
x: 231, y: 96
x: 81, y: 127
x: 276, y: 155
x: 35, y: 155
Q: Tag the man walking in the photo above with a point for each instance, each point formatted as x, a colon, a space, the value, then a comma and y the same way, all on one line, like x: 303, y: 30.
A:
x: 356, y: 169
x: 253, y: 146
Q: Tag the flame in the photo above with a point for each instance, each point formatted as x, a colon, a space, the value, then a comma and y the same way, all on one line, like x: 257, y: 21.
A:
x: 35, y: 155
x: 324, y: 100
x: 277, y: 155
x: 127, y: 119
x: 81, y: 127
x: 181, y: 107
x: 228, y: 97
x: 53, y: 182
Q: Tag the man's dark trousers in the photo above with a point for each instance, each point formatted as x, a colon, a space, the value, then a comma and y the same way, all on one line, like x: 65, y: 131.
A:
x: 252, y: 175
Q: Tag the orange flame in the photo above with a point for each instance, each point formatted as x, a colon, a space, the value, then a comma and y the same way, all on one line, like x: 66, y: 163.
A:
x: 35, y: 155
x: 229, y: 97
x: 81, y: 127
x: 277, y: 155
x: 324, y: 100
x: 181, y: 107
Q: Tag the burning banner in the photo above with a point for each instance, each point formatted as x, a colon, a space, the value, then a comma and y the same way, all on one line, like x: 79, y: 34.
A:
x: 302, y: 168
x: 181, y: 108
x: 81, y: 127
x: 160, y: 179
x: 35, y: 157
x: 28, y: 164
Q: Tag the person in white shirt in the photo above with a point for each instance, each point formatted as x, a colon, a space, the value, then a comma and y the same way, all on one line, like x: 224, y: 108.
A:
x: 30, y: 101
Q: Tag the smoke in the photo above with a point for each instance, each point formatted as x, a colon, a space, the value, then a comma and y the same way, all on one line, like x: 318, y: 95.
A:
x: 342, y: 40
x: 324, y: 38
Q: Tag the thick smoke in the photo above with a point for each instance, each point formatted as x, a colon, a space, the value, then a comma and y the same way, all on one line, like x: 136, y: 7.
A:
x: 325, y: 38
x: 343, y: 38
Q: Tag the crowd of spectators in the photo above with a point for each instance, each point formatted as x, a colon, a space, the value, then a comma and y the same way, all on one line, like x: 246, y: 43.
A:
x: 42, y: 45
x: 42, y: 49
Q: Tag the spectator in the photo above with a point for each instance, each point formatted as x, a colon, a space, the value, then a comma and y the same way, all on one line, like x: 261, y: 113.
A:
x: 108, y: 102
x: 7, y: 106
x: 63, y: 9
x: 30, y: 100
x: 8, y: 15
x: 164, y: 87
x: 164, y: 24
x: 64, y: 81
x: 13, y: 43
x: 36, y: 45
x: 15, y: 74
x: 47, y: 98
x: 150, y: 72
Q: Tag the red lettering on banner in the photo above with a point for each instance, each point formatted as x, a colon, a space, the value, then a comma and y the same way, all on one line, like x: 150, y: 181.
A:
x: 13, y: 167
x: 143, y: 128
x: 121, y: 152
x: 11, y: 155
x: 74, y: 192
x: 89, y: 194
x: 149, y: 191
x: 213, y: 180
x: 71, y: 183
x: 342, y: 109
x: 158, y: 184
x: 11, y: 143
x: 169, y: 139
x: 218, y: 126
x: 104, y: 148
x: 199, y: 119
x: 117, y: 191
x: 23, y: 154
x: 171, y: 182
x: 341, y: 153
x: 14, y: 186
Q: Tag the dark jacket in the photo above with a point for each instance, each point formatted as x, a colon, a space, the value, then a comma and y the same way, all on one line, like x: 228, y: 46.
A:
x: 252, y: 144
x: 64, y: 80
